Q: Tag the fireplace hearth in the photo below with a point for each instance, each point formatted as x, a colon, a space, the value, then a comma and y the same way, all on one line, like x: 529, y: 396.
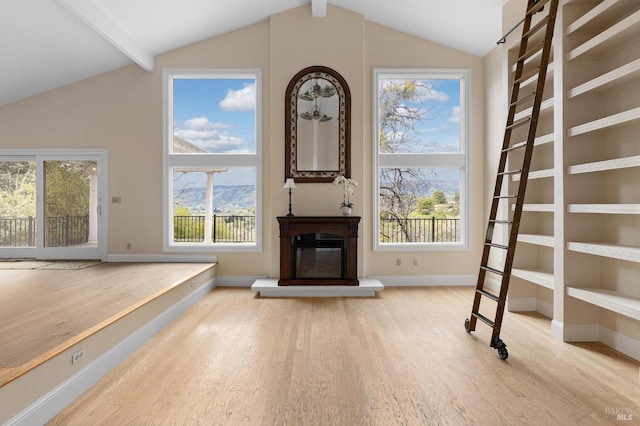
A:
x: 318, y: 250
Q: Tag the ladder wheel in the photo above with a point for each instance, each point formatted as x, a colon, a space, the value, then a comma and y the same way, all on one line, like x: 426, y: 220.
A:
x: 467, y: 325
x: 502, y: 350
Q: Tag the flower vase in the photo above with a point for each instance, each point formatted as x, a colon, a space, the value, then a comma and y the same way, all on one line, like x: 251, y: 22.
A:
x: 346, y: 210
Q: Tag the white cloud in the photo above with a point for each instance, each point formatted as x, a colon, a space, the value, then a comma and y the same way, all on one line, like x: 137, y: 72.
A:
x: 240, y: 100
x: 203, y: 123
x: 206, y: 134
x: 430, y: 94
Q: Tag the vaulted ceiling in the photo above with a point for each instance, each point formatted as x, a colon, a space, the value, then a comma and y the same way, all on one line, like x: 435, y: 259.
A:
x: 46, y: 44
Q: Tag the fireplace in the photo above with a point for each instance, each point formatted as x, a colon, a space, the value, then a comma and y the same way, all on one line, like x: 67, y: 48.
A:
x: 318, y: 250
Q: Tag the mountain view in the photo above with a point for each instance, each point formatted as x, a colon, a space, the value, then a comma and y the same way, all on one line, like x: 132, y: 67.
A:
x: 226, y: 199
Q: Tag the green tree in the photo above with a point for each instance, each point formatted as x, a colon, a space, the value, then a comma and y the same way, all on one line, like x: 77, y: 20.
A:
x: 439, y: 197
x: 17, y: 189
x: 67, y: 188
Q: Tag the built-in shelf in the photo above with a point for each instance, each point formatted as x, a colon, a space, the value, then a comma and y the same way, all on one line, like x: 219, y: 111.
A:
x: 619, y: 76
x: 620, y: 303
x: 606, y: 122
x: 601, y: 166
x: 545, y: 107
x: 542, y: 208
x: 540, y: 140
x: 541, y: 278
x: 536, y: 174
x: 534, y: 78
x: 601, y: 15
x: 604, y: 208
x: 614, y: 251
x: 540, y: 240
x: 610, y: 37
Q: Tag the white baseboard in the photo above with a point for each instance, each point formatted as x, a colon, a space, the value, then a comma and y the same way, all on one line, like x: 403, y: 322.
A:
x: 426, y: 280
x: 620, y: 342
x: 159, y: 258
x: 557, y: 330
x: 236, y: 281
x: 54, y: 401
x: 581, y: 332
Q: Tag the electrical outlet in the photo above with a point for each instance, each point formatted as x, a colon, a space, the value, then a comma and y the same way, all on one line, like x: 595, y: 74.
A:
x: 415, y: 262
x: 128, y: 246
x: 77, y: 356
x: 116, y: 200
x: 398, y: 262
x: 193, y: 283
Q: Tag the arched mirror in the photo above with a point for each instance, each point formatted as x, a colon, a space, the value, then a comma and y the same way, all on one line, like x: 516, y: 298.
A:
x: 318, y: 126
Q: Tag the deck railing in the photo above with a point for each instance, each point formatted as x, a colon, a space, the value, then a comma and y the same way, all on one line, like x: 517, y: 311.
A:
x: 73, y: 230
x: 60, y: 231
x: 224, y: 229
x: 420, y: 230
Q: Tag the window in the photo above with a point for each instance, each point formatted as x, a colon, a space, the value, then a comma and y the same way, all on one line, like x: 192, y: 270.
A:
x: 420, y: 159
x: 212, y: 154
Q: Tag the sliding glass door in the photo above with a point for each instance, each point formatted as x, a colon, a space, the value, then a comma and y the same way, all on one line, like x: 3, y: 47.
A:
x: 51, y: 206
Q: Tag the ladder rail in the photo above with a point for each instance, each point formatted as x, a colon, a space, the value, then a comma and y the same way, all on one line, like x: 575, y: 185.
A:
x: 533, y: 6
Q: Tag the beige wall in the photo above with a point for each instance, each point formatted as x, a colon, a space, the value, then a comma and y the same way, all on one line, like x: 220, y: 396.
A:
x: 121, y: 111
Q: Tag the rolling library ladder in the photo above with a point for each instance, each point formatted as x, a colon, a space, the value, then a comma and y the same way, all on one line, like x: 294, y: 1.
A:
x: 527, y: 67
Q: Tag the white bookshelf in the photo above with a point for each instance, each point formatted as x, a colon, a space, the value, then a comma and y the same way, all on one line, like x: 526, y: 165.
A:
x: 600, y: 118
x: 540, y: 208
x: 535, y: 276
x: 604, y: 165
x: 611, y: 300
x: 536, y: 174
x: 546, y: 107
x: 614, y: 251
x: 536, y: 239
x: 609, y: 38
x: 604, y: 208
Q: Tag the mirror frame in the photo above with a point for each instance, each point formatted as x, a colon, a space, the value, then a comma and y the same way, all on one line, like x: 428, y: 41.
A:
x: 291, y: 126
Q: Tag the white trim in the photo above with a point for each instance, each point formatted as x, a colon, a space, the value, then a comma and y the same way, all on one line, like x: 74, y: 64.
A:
x: 620, y: 342
x: 521, y: 304
x: 170, y: 160
x: 100, y: 156
x: 159, y: 258
x: 54, y: 401
x: 460, y: 160
x: 96, y: 18
x: 427, y: 280
x: 557, y: 330
x: 237, y: 281
x: 581, y: 332
x: 319, y: 8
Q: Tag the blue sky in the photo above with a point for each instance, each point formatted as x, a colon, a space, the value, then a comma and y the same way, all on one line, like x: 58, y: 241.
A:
x: 217, y: 115
x: 439, y: 132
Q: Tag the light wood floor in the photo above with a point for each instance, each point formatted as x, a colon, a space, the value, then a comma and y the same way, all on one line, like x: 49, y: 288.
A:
x: 402, y: 358
x: 44, y: 312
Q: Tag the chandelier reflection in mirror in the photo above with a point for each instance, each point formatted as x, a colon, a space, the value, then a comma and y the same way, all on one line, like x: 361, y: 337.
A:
x: 317, y: 125
x: 312, y: 94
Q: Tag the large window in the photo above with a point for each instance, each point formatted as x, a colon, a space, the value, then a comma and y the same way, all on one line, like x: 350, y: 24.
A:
x: 212, y: 160
x: 421, y: 159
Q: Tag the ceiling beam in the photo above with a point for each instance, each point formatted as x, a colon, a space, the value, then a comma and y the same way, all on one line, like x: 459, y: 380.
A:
x: 319, y: 8
x: 104, y: 25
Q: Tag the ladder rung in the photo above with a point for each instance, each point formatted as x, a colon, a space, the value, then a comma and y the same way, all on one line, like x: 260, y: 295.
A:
x: 500, y: 246
x: 520, y: 122
x: 501, y: 222
x: 531, y: 52
x: 489, y: 295
x: 536, y: 27
x: 492, y: 270
x: 514, y: 147
x: 523, y: 100
x: 510, y: 172
x: 504, y: 196
x: 483, y: 318
x: 528, y: 75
